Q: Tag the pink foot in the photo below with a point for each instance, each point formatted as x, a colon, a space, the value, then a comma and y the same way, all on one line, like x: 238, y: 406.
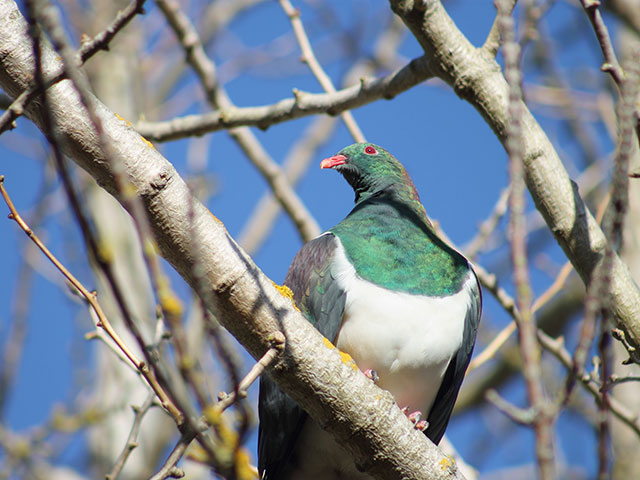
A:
x: 372, y: 375
x: 422, y: 425
x: 414, y: 417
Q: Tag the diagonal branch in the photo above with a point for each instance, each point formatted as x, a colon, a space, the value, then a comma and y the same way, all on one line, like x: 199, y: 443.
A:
x: 476, y: 77
x: 363, y: 418
x: 86, y: 51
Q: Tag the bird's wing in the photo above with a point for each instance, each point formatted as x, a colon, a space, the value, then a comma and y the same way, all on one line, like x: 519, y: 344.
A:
x: 447, y: 393
x: 322, y: 301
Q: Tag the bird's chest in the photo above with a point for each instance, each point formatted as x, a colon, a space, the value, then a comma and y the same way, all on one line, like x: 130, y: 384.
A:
x: 408, y: 339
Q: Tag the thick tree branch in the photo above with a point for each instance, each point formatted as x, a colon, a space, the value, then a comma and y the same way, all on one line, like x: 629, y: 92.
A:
x: 363, y: 418
x: 476, y: 77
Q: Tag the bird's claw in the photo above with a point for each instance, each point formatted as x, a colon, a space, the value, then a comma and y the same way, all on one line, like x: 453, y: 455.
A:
x: 372, y: 375
x: 422, y: 425
x: 415, y: 418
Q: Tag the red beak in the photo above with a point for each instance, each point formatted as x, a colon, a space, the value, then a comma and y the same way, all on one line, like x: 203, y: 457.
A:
x: 333, y: 162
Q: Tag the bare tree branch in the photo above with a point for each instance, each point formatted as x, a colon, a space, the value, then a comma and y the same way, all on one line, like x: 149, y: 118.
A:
x: 310, y: 59
x: 377, y: 433
x: 88, y: 49
x: 303, y: 104
x: 476, y: 77
x: 246, y: 140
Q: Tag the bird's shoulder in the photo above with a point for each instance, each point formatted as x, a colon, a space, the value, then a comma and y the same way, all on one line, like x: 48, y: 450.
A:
x: 391, y: 243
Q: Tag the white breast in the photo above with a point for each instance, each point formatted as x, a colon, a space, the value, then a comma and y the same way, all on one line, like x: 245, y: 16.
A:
x: 408, y: 339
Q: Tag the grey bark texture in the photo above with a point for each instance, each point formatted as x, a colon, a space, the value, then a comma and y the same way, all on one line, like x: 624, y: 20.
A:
x: 363, y: 418
x: 476, y: 77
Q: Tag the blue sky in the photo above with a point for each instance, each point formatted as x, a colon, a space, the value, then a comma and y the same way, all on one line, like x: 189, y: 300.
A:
x: 457, y: 164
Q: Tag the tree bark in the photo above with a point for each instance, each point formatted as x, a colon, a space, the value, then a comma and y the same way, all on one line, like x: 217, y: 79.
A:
x: 476, y: 77
x: 362, y: 417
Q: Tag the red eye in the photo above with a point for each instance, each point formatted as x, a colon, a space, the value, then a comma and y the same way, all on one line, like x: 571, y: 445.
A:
x: 370, y: 150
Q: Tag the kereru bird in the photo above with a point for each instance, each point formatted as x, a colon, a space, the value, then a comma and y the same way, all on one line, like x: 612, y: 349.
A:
x: 383, y: 287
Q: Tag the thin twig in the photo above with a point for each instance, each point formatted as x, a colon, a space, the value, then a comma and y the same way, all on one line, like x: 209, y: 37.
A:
x: 229, y: 399
x: 132, y: 438
x: 611, y: 64
x: 12, y: 350
x: 49, y: 19
x: 87, y: 50
x: 91, y: 297
x: 497, y: 343
x: 309, y: 58
x: 487, y: 227
x: 303, y: 104
x: 168, y: 301
x: 169, y: 468
x: 530, y: 351
x: 604, y: 421
x: 494, y: 346
x: 621, y: 411
x: 615, y: 380
x: 567, y: 268
x: 598, y: 294
x: 492, y: 43
x: 261, y: 220
x: 246, y: 140
x: 521, y: 416
x: 556, y: 347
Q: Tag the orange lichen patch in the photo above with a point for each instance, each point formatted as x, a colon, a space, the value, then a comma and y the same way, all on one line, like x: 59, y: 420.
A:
x: 187, y: 362
x: 129, y: 190
x: 150, y: 247
x: 213, y: 415
x: 105, y: 252
x: 286, y: 292
x: 226, y: 451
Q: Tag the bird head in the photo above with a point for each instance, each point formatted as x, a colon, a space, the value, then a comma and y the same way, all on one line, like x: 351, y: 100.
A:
x: 369, y: 169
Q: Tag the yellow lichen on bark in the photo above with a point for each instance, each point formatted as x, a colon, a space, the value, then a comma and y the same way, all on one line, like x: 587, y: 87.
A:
x: 216, y: 218
x: 447, y: 463
x: 123, y: 119
x: 286, y: 292
x: 345, y: 357
x: 348, y: 360
x: 328, y: 343
x: 149, y: 144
